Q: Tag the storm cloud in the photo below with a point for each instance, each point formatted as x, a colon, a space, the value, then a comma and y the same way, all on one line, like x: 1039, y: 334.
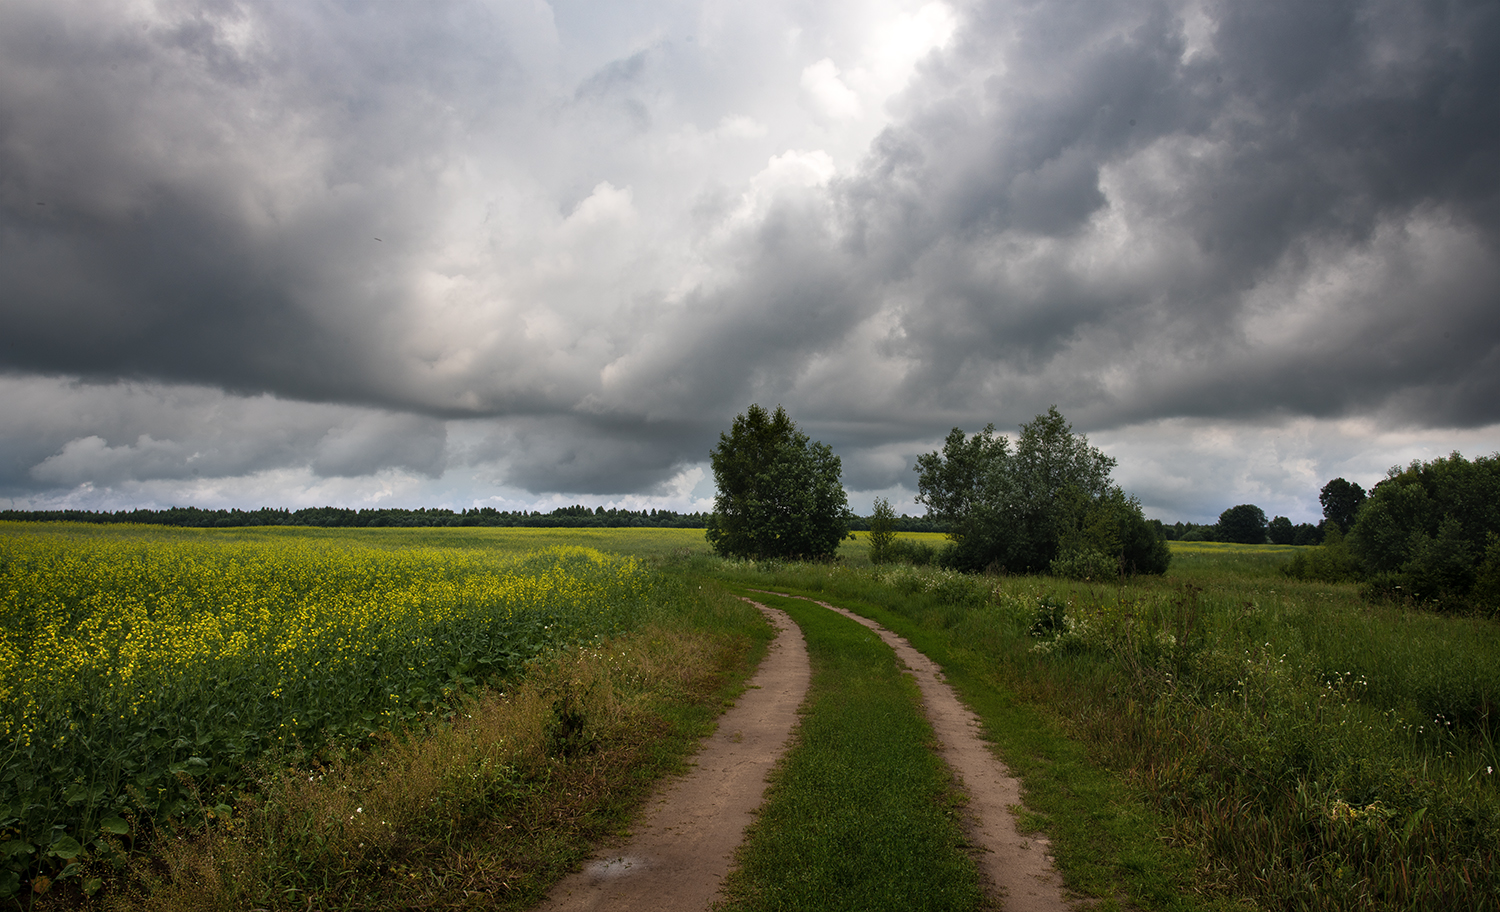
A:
x: 515, y: 251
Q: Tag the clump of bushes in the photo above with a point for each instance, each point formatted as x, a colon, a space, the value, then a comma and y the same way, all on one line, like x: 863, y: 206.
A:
x: 1332, y: 562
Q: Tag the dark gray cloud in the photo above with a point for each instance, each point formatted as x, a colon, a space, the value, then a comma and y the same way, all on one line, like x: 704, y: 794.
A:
x: 557, y: 248
x: 1081, y: 195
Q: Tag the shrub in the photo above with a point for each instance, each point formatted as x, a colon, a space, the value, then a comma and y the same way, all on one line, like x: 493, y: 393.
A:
x: 1330, y: 562
x: 906, y: 551
x: 882, y: 530
x: 1086, y: 564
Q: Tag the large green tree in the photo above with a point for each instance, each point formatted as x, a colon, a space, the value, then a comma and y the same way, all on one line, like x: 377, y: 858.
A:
x: 779, y: 493
x: 1341, y: 501
x: 1022, y: 508
x: 1429, y: 531
x: 1245, y: 524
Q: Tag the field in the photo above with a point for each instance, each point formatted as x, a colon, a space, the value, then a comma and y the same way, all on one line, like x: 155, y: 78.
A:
x: 1222, y: 737
x: 1299, y: 747
x: 143, y: 669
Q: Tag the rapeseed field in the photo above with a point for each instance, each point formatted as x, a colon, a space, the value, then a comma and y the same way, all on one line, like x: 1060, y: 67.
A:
x: 142, y: 671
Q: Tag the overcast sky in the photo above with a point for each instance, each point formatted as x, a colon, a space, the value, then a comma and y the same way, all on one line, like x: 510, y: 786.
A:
x: 521, y: 254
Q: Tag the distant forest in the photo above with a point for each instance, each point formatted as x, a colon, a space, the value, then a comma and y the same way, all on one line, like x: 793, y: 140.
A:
x: 577, y: 516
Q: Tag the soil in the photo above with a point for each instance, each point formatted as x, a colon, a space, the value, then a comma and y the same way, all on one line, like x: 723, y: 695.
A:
x: 681, y: 850
x: 684, y: 846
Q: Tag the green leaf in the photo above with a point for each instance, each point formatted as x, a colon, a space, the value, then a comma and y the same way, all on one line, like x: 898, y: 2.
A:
x: 66, y: 848
x: 115, y: 825
x: 92, y: 886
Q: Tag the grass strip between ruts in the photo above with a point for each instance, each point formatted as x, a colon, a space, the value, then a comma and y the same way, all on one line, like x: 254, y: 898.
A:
x: 861, y: 814
x: 1106, y: 842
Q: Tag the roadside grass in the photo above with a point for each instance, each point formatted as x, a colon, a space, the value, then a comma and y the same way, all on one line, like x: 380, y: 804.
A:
x: 487, y: 806
x: 861, y: 814
x: 1255, y: 740
x: 1106, y: 840
x: 486, y: 796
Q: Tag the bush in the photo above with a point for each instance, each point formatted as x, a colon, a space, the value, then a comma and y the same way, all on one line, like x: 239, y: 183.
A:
x: 1086, y: 564
x: 906, y: 551
x: 882, y: 530
x: 1330, y: 562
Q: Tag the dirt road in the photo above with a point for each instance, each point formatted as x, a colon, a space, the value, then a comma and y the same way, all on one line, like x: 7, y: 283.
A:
x: 684, y: 846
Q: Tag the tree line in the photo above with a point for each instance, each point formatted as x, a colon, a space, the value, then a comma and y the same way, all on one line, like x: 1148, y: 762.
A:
x: 1428, y: 532
x: 577, y: 516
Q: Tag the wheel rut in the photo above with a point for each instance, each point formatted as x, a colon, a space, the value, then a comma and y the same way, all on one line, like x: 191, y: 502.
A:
x: 680, y: 852
x: 1018, y: 864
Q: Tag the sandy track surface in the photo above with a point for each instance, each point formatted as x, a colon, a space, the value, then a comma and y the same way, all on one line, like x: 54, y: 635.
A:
x: 679, y: 854
x: 1017, y: 864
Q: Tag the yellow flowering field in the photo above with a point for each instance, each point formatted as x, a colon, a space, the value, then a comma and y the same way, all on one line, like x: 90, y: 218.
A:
x: 135, y: 660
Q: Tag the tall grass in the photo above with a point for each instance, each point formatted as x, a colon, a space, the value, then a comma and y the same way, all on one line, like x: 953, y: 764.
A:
x: 1315, y: 751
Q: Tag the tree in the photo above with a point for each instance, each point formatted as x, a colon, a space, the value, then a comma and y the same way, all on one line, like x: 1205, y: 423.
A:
x: 1307, y: 534
x: 779, y: 495
x: 1245, y: 524
x: 1341, y: 501
x: 1022, y: 509
x: 1281, y: 531
x: 882, y: 530
x: 1424, y: 531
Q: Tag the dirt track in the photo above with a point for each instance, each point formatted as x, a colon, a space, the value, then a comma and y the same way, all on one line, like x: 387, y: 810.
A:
x: 1017, y: 864
x: 682, y: 849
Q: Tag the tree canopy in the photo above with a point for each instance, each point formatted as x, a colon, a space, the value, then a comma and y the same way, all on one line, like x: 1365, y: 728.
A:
x: 1244, y: 524
x: 1341, y: 501
x: 1431, y: 531
x: 779, y: 495
x: 1048, y: 499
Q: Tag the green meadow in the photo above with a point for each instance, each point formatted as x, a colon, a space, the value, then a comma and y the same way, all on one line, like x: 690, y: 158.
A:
x: 1221, y: 737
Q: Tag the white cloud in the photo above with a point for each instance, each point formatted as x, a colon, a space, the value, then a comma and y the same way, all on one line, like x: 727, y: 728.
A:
x: 826, y: 92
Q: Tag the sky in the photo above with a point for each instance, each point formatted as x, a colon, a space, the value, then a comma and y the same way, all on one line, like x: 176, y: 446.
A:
x: 524, y: 254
